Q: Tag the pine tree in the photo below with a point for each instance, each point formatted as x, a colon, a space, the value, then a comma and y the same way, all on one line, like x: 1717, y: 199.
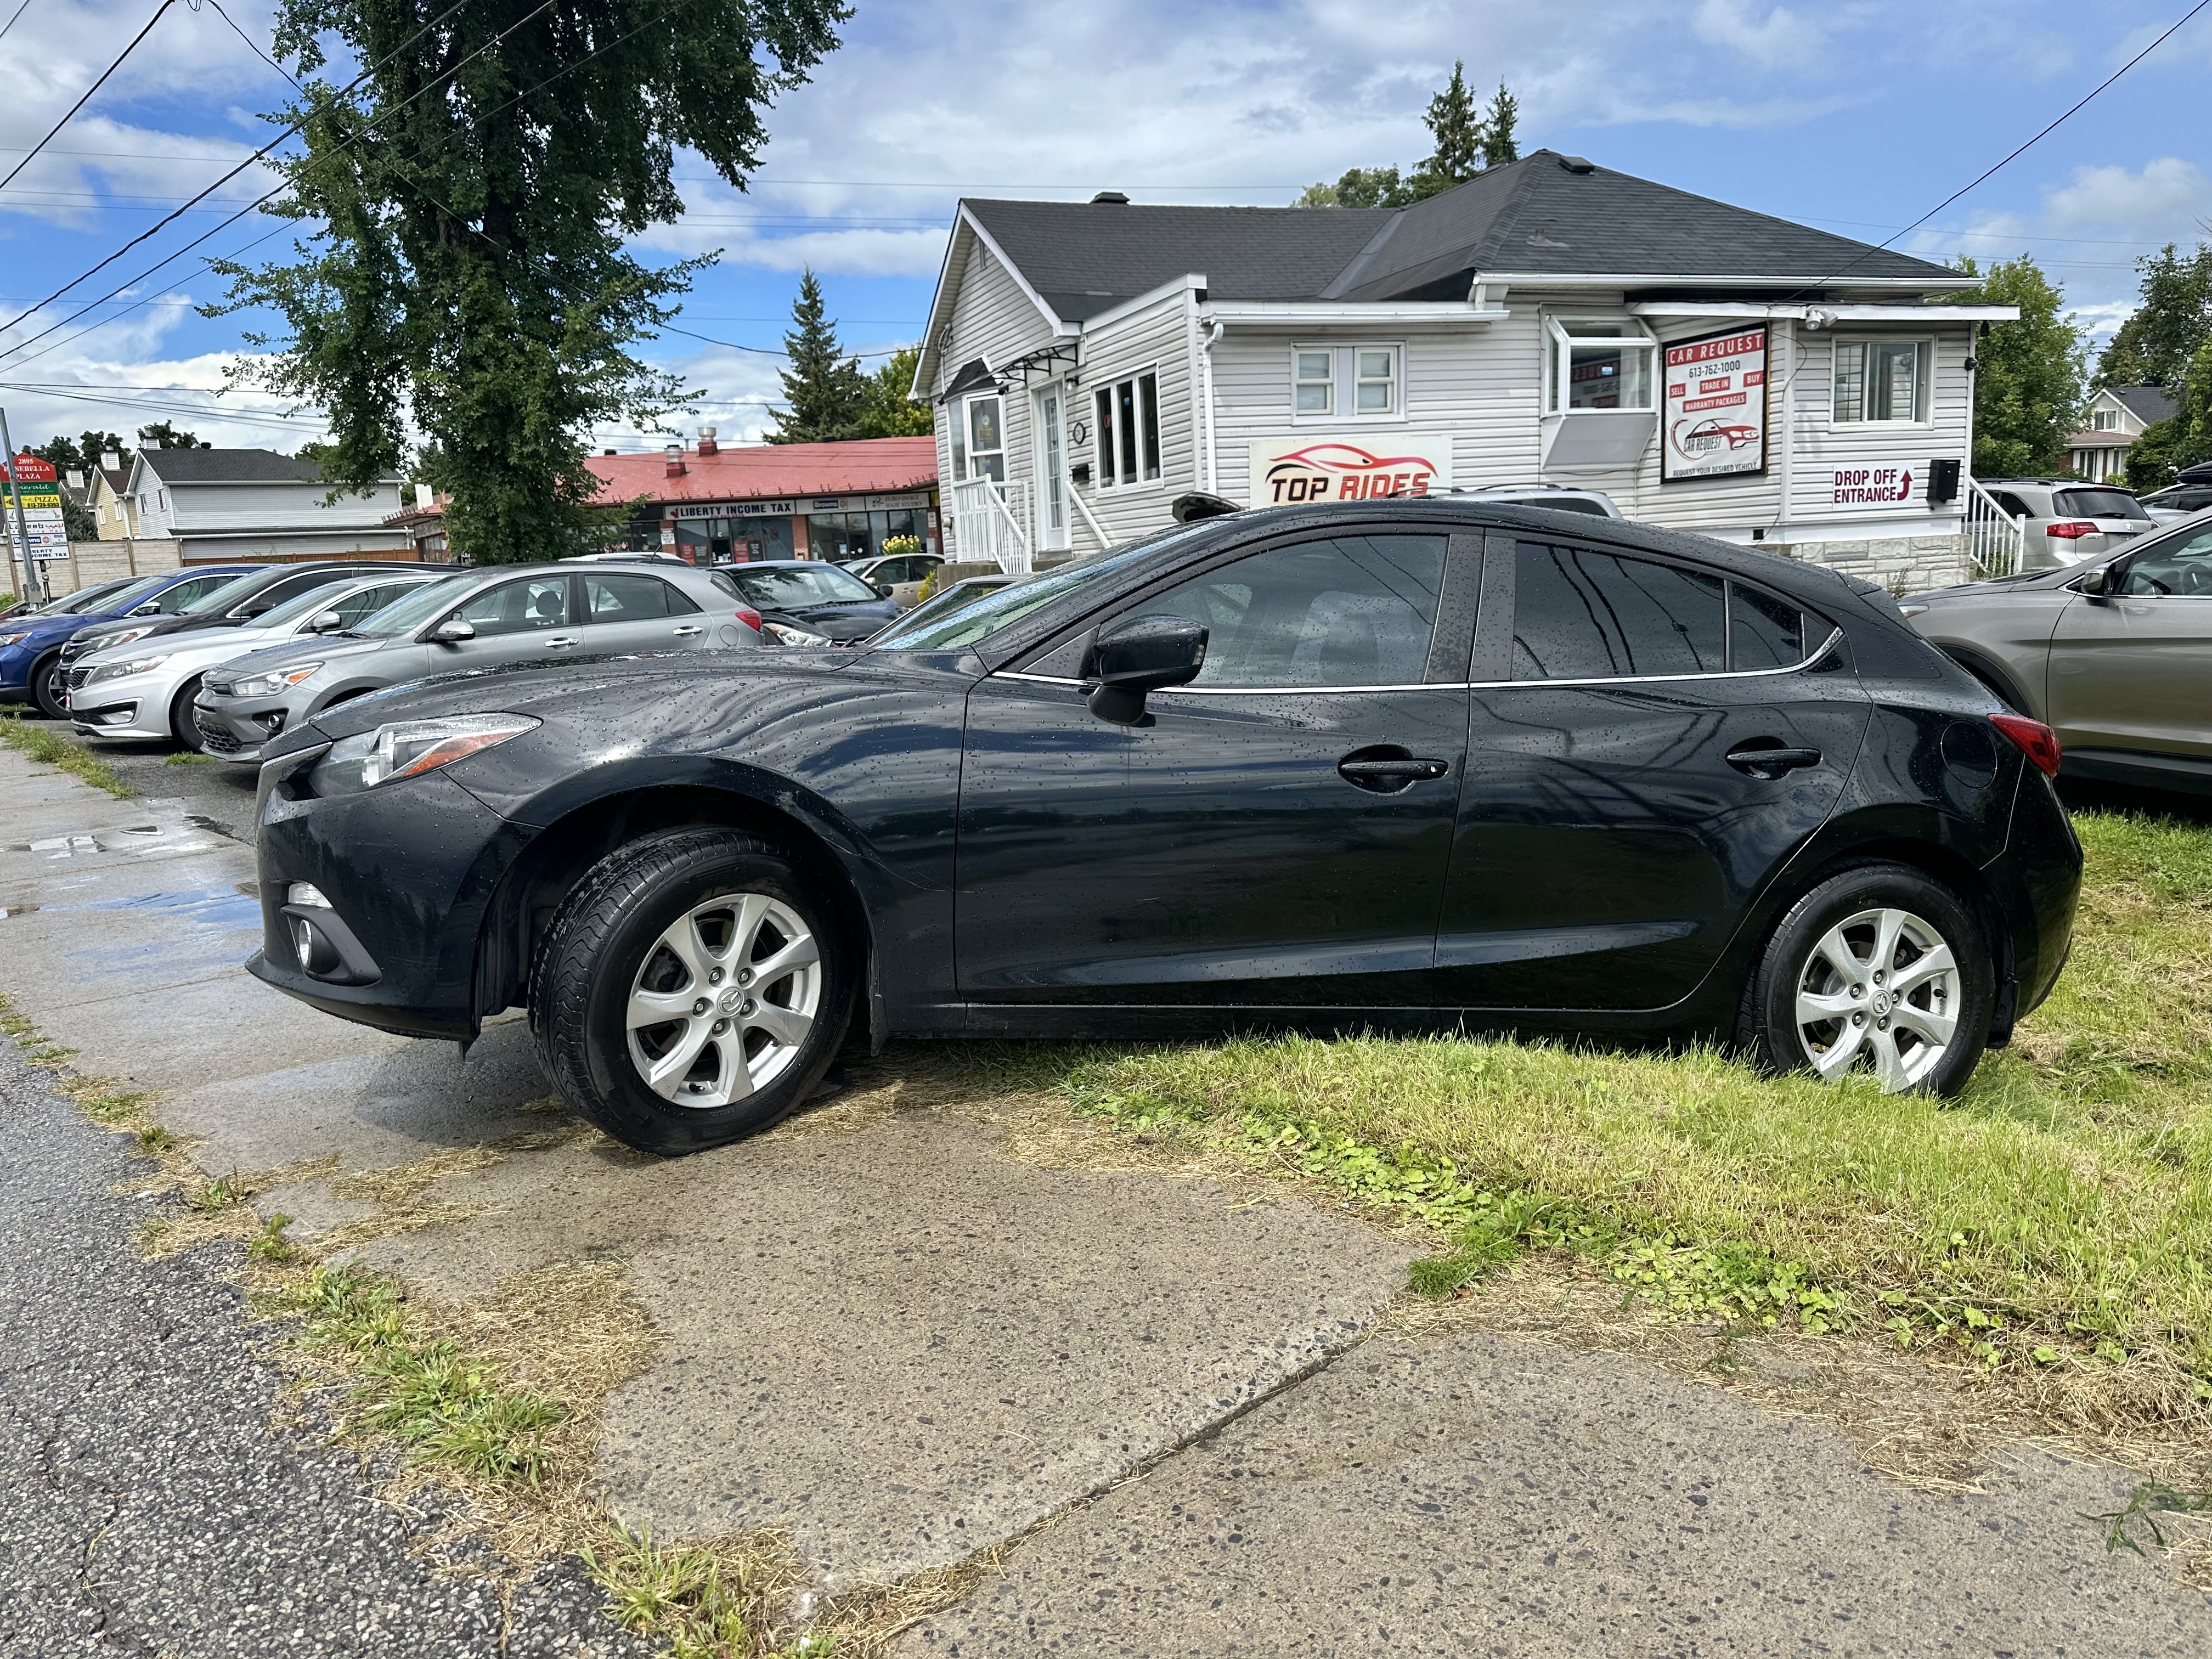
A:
x: 1499, y: 145
x: 823, y: 389
x: 1458, y: 131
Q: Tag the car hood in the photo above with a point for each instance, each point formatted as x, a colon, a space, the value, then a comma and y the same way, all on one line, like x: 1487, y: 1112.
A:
x: 229, y: 642
x: 160, y: 627
x: 321, y: 647
x: 852, y: 619
x: 2042, y: 581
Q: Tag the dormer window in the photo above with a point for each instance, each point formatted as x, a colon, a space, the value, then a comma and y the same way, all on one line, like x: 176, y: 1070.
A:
x: 1598, y: 363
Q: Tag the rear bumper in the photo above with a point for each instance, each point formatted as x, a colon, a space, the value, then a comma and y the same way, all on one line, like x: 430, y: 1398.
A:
x: 2038, y: 882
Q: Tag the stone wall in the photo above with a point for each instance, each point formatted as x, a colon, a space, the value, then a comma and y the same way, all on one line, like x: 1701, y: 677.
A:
x: 90, y: 563
x: 1903, y: 564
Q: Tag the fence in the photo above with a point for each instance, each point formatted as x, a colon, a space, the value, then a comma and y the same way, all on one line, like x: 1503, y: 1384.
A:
x: 991, y: 520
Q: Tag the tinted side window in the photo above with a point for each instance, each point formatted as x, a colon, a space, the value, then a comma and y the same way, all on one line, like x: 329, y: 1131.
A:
x: 370, y: 600
x: 1764, y: 632
x: 518, y: 607
x: 2013, y: 504
x: 290, y: 588
x: 2181, y: 569
x: 184, y: 592
x: 1354, y: 611
x: 633, y: 598
x: 1579, y: 615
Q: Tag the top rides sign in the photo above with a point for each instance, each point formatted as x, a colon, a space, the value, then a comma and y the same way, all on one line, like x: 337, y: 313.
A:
x: 1289, y: 471
x: 1713, y: 418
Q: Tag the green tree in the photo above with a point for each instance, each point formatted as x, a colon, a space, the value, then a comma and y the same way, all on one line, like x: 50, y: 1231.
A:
x: 463, y: 215
x: 162, y: 436
x: 1499, y: 144
x: 64, y: 454
x: 2029, y: 389
x: 2184, y: 440
x: 887, y: 411
x: 824, y: 389
x: 2155, y: 345
x: 1466, y: 142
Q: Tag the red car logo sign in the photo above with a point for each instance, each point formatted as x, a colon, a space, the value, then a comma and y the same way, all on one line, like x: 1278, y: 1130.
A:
x: 1332, y: 471
x: 1711, y: 434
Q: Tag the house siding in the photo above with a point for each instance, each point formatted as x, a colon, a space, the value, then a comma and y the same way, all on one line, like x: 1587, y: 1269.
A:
x: 992, y: 319
x: 1157, y: 340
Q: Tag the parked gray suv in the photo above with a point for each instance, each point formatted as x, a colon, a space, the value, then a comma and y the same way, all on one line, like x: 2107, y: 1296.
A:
x: 2064, y: 521
x: 477, y: 619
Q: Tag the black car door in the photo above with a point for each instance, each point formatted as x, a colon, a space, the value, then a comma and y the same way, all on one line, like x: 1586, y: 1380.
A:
x: 1647, y: 741
x: 1276, y: 833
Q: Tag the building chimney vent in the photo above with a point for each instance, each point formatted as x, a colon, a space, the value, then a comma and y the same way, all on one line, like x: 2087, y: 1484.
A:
x: 608, y: 452
x: 111, y: 460
x: 706, y: 444
x: 1110, y: 198
x: 75, y: 479
x: 676, y: 467
x: 1577, y: 164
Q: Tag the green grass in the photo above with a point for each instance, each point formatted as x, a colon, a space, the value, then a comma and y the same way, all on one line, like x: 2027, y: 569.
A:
x: 2060, y: 1215
x: 189, y: 757
x: 42, y: 743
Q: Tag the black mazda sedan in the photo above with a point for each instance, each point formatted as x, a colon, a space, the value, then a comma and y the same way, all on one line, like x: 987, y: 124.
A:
x: 1397, y: 765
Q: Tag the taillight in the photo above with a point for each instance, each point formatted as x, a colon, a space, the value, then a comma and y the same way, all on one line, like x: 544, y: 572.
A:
x: 2032, y: 739
x: 2071, y: 530
x: 751, y: 619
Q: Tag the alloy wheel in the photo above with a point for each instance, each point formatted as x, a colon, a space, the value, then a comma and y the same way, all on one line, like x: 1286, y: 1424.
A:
x: 1879, y: 991
x: 724, y: 999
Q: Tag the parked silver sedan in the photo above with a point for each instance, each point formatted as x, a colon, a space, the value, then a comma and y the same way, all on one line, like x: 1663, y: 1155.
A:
x: 2114, y: 655
x: 475, y: 619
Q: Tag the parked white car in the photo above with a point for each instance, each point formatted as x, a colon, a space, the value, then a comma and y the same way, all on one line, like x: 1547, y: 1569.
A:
x: 144, y: 689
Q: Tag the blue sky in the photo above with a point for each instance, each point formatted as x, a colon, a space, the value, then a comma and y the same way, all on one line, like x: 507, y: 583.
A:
x: 1856, y: 115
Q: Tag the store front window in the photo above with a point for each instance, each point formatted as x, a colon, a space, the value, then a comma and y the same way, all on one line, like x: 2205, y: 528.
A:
x: 841, y: 538
x: 733, y: 540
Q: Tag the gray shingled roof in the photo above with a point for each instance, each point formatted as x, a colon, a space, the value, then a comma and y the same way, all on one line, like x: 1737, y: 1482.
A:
x: 1531, y: 215
x: 178, y: 466
x: 2148, y: 404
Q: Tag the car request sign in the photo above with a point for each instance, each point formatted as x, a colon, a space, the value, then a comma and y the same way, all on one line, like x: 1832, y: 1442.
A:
x: 1713, y: 415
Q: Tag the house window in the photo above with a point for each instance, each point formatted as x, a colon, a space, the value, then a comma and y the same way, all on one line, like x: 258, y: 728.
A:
x: 1357, y: 382
x: 2105, y: 420
x: 1316, y: 372
x: 979, y: 439
x: 1129, y: 413
x: 1598, y: 363
x: 1880, y: 380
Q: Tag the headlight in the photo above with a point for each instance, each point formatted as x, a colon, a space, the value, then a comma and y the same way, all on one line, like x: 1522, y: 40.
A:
x: 128, y: 636
x: 1910, y: 610
x: 784, y: 634
x: 274, y: 684
x: 409, y: 748
x: 6, y: 640
x: 115, y: 670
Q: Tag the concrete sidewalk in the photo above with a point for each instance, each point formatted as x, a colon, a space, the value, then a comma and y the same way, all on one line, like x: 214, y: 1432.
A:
x: 882, y: 1330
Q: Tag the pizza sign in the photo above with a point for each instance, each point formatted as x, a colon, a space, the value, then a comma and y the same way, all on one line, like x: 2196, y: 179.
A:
x: 1294, y: 471
x: 1714, y: 413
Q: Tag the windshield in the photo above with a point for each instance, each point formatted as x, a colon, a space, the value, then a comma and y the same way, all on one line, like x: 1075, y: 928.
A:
x: 782, y: 586
x: 2098, y: 504
x: 404, y: 616
x: 314, y: 601
x: 938, y: 606
x: 970, y: 624
x: 217, y: 600
x: 123, y: 598
x: 86, y: 599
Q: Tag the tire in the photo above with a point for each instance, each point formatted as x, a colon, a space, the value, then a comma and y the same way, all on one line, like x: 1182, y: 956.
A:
x: 670, y: 923
x: 184, y: 725
x: 1842, y: 947
x: 46, y: 684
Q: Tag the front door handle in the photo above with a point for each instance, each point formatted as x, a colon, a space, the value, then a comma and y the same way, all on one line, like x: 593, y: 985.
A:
x: 1384, y: 773
x: 560, y: 642
x: 1771, y: 762
x: 688, y: 633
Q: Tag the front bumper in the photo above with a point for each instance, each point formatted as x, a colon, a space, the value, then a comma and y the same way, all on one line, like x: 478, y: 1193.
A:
x: 236, y: 728
x: 130, y: 706
x: 408, y: 869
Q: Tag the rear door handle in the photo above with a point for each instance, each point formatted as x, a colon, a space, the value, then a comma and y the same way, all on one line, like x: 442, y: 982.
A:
x: 560, y: 643
x: 1388, y: 773
x: 1770, y: 763
x: 688, y: 633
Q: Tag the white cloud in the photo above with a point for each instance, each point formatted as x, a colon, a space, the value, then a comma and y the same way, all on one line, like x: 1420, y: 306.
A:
x: 2167, y: 196
x: 1782, y: 38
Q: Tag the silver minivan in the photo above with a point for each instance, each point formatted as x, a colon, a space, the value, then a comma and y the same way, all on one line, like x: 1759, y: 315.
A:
x: 477, y: 619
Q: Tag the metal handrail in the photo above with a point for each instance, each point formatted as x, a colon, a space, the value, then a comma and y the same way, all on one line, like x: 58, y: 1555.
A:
x: 1994, y: 537
x: 1083, y: 508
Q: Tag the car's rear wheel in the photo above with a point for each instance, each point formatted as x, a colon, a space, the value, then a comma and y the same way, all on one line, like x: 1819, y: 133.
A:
x: 1881, y: 970
x: 183, y: 725
x: 48, y: 685
x: 692, y: 990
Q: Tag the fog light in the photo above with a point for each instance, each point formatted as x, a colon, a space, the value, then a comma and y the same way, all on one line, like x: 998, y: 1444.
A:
x: 316, y: 953
x: 122, y: 716
x: 274, y: 720
x: 303, y: 892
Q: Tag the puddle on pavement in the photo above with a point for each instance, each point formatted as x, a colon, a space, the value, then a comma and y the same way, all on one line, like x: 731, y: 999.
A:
x: 130, y: 838
x: 8, y: 910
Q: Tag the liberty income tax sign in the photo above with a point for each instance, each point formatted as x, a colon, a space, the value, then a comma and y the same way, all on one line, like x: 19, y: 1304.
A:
x: 1293, y: 469
x: 1713, y: 415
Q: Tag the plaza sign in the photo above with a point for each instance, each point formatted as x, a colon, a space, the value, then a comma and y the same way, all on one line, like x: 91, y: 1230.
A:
x: 1713, y: 416
x: 1293, y: 470
x: 40, y: 494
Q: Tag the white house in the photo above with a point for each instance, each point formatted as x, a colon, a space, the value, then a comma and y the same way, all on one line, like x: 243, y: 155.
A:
x: 256, y: 504
x: 2118, y: 415
x: 1549, y: 321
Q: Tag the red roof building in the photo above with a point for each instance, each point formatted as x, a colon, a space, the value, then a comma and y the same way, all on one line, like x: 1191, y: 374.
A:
x: 834, y: 500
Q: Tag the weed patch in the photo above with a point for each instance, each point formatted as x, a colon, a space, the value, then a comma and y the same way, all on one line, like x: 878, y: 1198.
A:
x: 189, y: 757
x: 44, y: 744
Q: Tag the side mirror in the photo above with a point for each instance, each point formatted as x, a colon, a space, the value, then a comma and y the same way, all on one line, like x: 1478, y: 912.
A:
x: 452, y: 631
x: 247, y: 613
x: 882, y: 589
x: 151, y: 608
x: 1126, y: 660
x: 325, y: 621
x: 2096, y: 584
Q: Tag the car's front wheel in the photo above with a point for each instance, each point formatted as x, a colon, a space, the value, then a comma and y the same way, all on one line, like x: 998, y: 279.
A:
x: 183, y: 725
x: 1879, y: 970
x: 48, y: 686
x: 692, y: 989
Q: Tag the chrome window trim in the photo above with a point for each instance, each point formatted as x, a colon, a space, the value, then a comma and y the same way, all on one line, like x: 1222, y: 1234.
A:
x: 1798, y: 667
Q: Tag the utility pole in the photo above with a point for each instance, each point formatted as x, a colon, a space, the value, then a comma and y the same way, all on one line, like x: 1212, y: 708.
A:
x: 30, y: 585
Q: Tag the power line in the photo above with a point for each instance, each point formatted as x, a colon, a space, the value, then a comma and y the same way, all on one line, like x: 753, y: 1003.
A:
x: 88, y: 91
x: 10, y: 23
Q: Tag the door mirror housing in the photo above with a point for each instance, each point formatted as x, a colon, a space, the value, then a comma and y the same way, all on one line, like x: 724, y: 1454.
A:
x: 1126, y: 660
x: 2099, y: 583
x: 452, y: 631
x: 882, y: 589
x: 325, y: 621
x: 151, y: 608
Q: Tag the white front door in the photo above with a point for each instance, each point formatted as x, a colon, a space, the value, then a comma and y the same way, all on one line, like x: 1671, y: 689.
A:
x: 1051, y: 451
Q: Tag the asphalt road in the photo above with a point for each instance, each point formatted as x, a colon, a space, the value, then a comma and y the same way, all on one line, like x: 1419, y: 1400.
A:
x: 147, y: 1505
x: 217, y: 790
